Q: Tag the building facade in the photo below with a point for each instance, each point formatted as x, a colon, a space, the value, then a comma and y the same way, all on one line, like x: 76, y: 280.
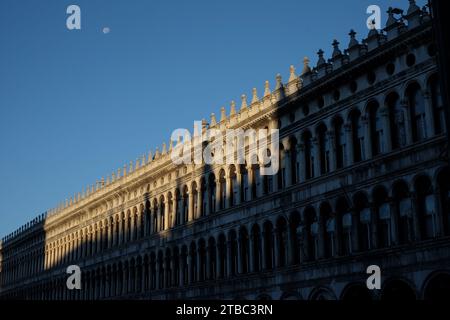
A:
x: 363, y: 181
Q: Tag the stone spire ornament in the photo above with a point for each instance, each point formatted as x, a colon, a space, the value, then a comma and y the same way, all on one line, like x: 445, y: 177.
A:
x: 233, y: 108
x: 164, y: 148
x: 279, y: 84
x: 213, y: 120
x: 292, y: 75
x: 243, y: 102
x: 266, y: 89
x: 321, y: 60
x: 336, y: 51
x: 306, y: 67
x: 255, y: 98
x: 353, y: 42
x: 223, y: 114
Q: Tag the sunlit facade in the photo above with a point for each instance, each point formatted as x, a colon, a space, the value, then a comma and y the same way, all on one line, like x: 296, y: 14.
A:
x: 362, y: 181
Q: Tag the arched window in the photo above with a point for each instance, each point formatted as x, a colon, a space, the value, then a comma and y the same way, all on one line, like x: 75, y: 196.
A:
x: 234, y: 186
x: 232, y: 239
x: 245, y: 192
x: 202, y: 260
x: 328, y: 225
x: 155, y: 216
x: 162, y: 214
x: 185, y: 207
x: 193, y: 262
x: 383, y: 216
x: 339, y: 135
x: 425, y: 207
x: 180, y: 201
x: 204, y: 191
x: 282, y: 241
x: 444, y: 195
x: 438, y: 105
x: 376, y: 128
x: 223, y: 189
x: 324, y: 149
x: 212, y: 193
x: 293, y: 159
x: 268, y: 246
x: 244, y: 247
x: 358, y: 132
x: 403, y: 212
x: 168, y: 269
x: 397, y: 120
x: 344, y: 227
x: 363, y: 221
x: 308, y: 152
x: 310, y: 234
x: 222, y: 251
x: 212, y: 258
x: 176, y: 267
x: 170, y: 208
x: 416, y: 106
x: 281, y: 176
x: 256, y: 243
x: 194, y: 195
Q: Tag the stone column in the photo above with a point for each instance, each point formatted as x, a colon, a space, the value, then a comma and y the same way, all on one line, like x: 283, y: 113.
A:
x: 349, y: 156
x: 429, y: 115
x: 146, y: 232
x: 316, y: 154
x: 191, y: 205
x: 218, y: 192
x: 332, y: 150
x: 301, y: 162
x: 250, y: 178
x: 199, y: 201
x: 240, y: 258
x: 239, y: 186
x: 386, y: 123
x: 208, y: 263
x: 288, y: 167
x: 207, y: 193
x: 181, y: 269
x: 230, y: 259
x: 251, y: 266
x: 190, y: 261
x: 408, y: 121
x: 228, y: 190
x: 368, y: 138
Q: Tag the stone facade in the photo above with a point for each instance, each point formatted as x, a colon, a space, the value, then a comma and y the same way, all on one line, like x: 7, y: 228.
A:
x: 362, y: 181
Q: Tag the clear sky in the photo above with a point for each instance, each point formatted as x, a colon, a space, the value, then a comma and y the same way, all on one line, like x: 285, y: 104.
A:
x: 77, y: 105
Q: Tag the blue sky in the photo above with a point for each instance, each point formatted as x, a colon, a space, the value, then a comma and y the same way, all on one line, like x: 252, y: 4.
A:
x: 76, y: 105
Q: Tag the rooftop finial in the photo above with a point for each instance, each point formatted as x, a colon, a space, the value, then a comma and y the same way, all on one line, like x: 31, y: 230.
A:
x: 292, y: 75
x: 412, y: 7
x: 353, y: 42
x: 150, y: 156
x: 336, y: 51
x: 279, y: 84
x: 164, y: 148
x: 213, y: 119
x: 255, y: 96
x: 266, y: 89
x: 321, y: 60
x: 233, y: 108
x: 244, y: 102
x: 223, y: 114
x: 391, y: 19
x: 306, y: 67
